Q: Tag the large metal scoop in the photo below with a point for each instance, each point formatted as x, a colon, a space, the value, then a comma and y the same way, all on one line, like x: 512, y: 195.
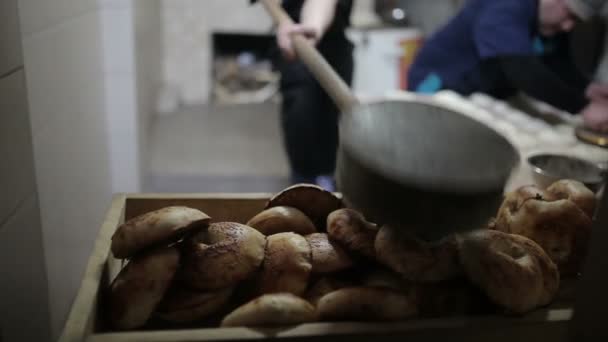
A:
x: 413, y: 164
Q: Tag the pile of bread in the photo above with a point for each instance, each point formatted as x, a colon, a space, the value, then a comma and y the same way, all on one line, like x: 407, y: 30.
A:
x: 306, y: 258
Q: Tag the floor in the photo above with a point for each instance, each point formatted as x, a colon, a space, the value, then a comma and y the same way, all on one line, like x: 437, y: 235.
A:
x: 213, y: 148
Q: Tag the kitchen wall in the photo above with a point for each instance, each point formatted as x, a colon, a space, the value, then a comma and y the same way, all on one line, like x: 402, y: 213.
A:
x: 148, y: 71
x: 24, y: 310
x: 90, y: 96
x: 431, y: 15
x: 120, y: 93
x: 63, y: 51
x: 188, y: 25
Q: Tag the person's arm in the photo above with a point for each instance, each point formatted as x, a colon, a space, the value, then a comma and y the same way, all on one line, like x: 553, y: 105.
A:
x: 595, y: 115
x: 318, y: 14
x: 531, y: 76
x: 315, y: 19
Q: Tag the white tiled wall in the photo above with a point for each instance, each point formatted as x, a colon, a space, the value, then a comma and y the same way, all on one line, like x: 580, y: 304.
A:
x: 63, y: 53
x: 10, y: 42
x: 148, y: 57
x: 118, y: 39
x: 24, y: 312
x: 17, y: 181
x: 90, y: 96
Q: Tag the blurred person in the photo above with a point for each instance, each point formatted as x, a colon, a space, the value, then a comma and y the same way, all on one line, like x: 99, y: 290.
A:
x: 309, y: 118
x: 595, y: 114
x: 502, y: 47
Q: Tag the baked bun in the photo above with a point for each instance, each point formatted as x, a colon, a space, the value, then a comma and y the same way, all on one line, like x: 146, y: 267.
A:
x: 417, y: 260
x: 324, y: 286
x: 365, y: 304
x: 560, y: 227
x: 281, y: 220
x: 222, y: 255
x: 140, y: 286
x: 513, y: 271
x: 272, y: 310
x: 312, y: 200
x: 576, y: 192
x: 181, y: 305
x: 351, y: 230
x: 150, y: 229
x: 327, y: 256
x: 450, y: 298
x: 287, y: 264
x: 380, y: 277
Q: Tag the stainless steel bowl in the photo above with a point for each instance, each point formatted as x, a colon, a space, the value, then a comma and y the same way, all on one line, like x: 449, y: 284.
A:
x: 549, y: 168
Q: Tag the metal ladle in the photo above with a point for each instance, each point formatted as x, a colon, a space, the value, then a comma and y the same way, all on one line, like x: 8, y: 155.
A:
x: 413, y: 164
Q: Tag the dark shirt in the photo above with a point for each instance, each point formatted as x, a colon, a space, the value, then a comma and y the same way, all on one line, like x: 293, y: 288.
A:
x: 484, y: 29
x: 494, y: 47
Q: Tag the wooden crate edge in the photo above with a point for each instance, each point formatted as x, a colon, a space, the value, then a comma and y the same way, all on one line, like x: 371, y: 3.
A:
x: 80, y: 316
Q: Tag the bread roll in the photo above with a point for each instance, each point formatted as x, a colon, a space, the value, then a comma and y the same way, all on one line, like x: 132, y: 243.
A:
x: 352, y: 231
x: 222, y: 255
x: 140, y: 286
x: 181, y: 305
x: 417, y: 260
x: 272, y: 310
x: 380, y: 277
x: 156, y: 227
x: 576, y: 192
x: 560, y: 227
x: 365, y: 304
x: 450, y: 298
x: 287, y: 264
x: 327, y: 256
x: 324, y: 286
x: 513, y: 271
x: 312, y: 200
x: 281, y: 220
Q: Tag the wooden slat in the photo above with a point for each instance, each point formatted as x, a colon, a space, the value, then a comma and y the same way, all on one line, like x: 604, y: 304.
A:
x: 470, y: 329
x: 81, y: 319
x: 219, y: 207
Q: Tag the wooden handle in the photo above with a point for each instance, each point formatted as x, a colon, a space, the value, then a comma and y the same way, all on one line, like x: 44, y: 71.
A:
x: 333, y: 84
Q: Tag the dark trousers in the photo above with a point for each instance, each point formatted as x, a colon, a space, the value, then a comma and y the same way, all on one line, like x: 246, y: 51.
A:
x: 309, y: 118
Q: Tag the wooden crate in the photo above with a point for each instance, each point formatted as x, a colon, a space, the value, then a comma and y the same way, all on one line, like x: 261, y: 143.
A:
x: 85, y: 324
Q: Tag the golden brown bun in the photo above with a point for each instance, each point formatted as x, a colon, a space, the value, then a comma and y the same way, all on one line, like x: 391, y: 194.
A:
x: 450, y: 298
x: 380, y: 277
x: 352, y: 231
x: 576, y: 192
x: 512, y: 270
x: 272, y: 310
x: 181, y: 305
x: 312, y: 200
x: 140, y: 286
x: 282, y: 220
x: 365, y: 304
x: 417, y: 260
x: 287, y: 264
x: 150, y: 229
x: 327, y: 256
x: 222, y: 255
x: 324, y: 286
x: 560, y: 227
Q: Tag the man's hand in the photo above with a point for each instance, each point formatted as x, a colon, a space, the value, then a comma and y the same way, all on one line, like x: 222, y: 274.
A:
x: 285, y: 32
x: 597, y: 92
x: 595, y: 116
